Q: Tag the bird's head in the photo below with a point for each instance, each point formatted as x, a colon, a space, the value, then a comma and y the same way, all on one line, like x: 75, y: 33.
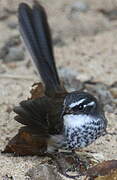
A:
x: 81, y: 108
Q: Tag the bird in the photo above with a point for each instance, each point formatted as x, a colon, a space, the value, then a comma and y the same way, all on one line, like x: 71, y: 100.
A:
x: 70, y: 120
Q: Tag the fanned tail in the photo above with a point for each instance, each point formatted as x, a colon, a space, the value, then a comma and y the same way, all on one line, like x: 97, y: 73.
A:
x: 33, y: 113
x: 37, y: 37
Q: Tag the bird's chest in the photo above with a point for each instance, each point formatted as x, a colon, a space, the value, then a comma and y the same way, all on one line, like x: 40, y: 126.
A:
x: 82, y: 131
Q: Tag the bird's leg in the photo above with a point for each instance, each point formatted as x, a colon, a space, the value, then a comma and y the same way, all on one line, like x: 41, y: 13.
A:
x: 68, y: 163
x: 64, y: 162
x: 76, y: 157
x: 79, y: 165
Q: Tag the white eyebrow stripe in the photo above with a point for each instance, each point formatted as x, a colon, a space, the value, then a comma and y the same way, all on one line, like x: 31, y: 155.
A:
x: 90, y: 104
x: 76, y: 103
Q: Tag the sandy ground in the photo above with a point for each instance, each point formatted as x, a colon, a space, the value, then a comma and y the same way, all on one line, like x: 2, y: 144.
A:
x: 85, y: 43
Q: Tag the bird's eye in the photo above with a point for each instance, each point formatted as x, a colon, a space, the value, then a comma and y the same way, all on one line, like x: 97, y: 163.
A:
x: 79, y: 107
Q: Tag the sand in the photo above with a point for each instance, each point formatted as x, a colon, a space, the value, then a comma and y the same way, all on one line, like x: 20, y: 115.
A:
x: 85, y: 43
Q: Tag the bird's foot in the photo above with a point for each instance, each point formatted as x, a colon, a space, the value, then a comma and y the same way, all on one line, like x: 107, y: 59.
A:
x: 69, y: 164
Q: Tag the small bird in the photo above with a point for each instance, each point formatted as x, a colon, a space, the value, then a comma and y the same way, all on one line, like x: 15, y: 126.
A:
x: 67, y: 120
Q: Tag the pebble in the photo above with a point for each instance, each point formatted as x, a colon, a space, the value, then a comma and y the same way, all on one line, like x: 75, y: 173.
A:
x: 101, y: 90
x: 3, y: 14
x: 79, y: 6
x: 111, y: 15
x: 3, y: 52
x: 15, y: 54
x: 68, y: 76
x: 12, y: 25
x: 43, y: 172
x: 114, y: 92
x: 13, y: 41
x: 58, y: 41
x: 12, y: 50
x: 109, y: 108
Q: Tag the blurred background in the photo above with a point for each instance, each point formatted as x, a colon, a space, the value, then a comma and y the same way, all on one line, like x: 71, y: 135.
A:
x: 85, y: 45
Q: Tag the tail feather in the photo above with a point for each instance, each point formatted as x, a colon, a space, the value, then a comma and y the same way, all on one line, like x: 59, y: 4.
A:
x: 36, y: 34
x: 33, y: 113
x: 43, y: 31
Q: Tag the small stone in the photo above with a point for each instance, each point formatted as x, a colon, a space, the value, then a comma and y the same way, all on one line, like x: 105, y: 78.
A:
x: 109, y: 108
x: 111, y: 15
x: 12, y: 10
x: 2, y: 68
x: 70, y: 81
x: 3, y: 52
x: 13, y: 41
x: 88, y: 24
x: 43, y: 172
x: 12, y: 51
x: 12, y: 25
x: 100, y: 90
x: 9, y: 109
x: 115, y: 101
x: 15, y: 54
x: 57, y: 41
x: 3, y: 14
x: 79, y: 6
x: 114, y: 92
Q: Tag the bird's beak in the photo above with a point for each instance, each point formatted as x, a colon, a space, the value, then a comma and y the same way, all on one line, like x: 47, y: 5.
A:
x: 65, y: 111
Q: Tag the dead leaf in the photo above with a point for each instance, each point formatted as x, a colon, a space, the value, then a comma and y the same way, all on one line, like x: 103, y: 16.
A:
x: 111, y: 176
x: 27, y: 142
x: 102, y: 169
x: 37, y: 90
